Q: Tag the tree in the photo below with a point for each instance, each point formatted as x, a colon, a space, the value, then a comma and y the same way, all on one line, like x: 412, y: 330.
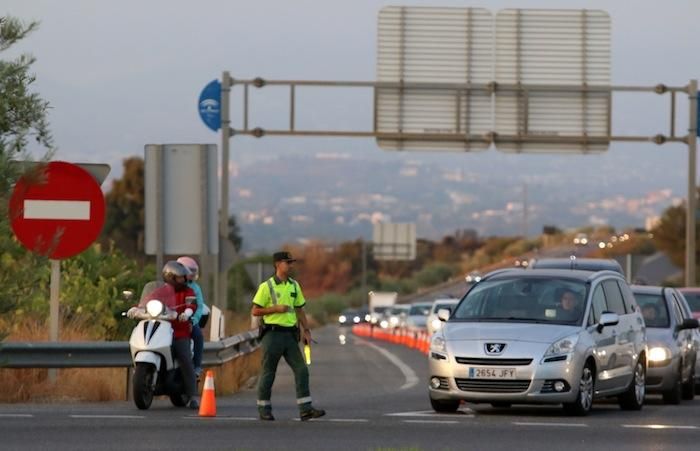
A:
x: 669, y: 235
x: 124, y: 222
x: 234, y: 233
x: 22, y: 117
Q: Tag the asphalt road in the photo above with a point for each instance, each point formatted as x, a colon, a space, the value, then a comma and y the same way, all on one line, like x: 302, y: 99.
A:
x: 376, y: 399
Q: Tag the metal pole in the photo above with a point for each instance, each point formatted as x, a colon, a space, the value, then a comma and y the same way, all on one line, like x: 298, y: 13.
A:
x: 692, y: 203
x: 160, y: 209
x: 222, y: 283
x: 54, y: 290
x: 628, y: 272
x: 364, y: 267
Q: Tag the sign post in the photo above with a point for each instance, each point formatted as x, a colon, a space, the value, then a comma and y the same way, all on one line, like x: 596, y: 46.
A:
x: 57, y: 210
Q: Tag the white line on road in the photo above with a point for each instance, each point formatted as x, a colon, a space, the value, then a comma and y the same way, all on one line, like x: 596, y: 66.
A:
x: 573, y: 425
x: 57, y: 209
x: 16, y: 415
x: 408, y: 373
x: 197, y: 417
x: 431, y: 421
x: 346, y: 420
x: 461, y: 413
x: 119, y: 417
x: 658, y: 426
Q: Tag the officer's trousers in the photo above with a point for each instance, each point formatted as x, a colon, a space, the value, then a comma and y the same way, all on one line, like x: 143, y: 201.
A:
x: 277, y: 344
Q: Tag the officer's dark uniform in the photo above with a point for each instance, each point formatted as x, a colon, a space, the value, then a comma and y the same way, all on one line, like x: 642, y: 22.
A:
x: 280, y: 339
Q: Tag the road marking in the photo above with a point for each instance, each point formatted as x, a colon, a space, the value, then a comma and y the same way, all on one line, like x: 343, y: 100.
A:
x: 119, y: 417
x: 197, y: 417
x: 16, y: 415
x: 408, y: 373
x: 346, y: 420
x: 57, y: 209
x: 574, y: 425
x: 462, y: 413
x: 431, y: 421
x: 657, y: 426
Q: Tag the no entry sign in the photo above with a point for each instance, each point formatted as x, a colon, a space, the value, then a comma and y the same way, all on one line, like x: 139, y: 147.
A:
x: 59, y: 212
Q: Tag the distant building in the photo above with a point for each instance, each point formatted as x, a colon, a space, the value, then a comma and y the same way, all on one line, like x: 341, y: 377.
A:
x: 651, y: 222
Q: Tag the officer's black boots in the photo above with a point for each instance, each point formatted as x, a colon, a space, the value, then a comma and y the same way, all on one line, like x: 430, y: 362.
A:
x: 267, y: 416
x: 311, y: 413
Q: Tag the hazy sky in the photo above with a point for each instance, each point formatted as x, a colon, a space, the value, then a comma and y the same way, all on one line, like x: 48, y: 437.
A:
x: 122, y: 74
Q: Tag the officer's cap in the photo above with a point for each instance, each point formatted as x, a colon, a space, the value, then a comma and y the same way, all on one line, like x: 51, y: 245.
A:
x: 283, y: 257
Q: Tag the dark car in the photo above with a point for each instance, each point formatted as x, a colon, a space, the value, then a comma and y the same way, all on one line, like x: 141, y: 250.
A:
x: 581, y: 264
x: 671, y: 342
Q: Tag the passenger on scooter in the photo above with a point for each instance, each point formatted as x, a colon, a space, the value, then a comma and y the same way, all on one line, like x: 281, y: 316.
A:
x: 173, y: 295
x: 197, y: 336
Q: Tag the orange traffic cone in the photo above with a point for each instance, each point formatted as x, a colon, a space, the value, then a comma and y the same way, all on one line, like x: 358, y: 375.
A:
x: 208, y: 406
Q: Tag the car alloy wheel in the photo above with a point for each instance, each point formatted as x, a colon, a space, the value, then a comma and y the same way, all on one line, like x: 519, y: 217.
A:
x: 640, y: 383
x: 584, y: 400
x: 586, y: 389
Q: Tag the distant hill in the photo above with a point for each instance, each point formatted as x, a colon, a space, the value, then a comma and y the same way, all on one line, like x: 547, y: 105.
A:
x: 336, y: 196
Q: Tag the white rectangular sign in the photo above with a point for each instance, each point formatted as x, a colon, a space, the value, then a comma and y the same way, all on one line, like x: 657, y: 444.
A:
x: 394, y: 241
x: 553, y: 47
x: 187, y: 196
x: 434, y: 45
x: 75, y: 210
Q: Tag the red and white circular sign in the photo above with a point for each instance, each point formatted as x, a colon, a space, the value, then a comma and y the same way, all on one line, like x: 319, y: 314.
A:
x: 60, y: 213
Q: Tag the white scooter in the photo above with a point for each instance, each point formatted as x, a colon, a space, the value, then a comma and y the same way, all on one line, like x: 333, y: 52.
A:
x: 156, y: 372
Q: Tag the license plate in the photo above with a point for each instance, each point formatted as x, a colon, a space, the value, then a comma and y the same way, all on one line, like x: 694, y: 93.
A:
x: 492, y: 373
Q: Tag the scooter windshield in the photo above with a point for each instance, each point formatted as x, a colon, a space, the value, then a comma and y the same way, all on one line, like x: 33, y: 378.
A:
x: 157, y: 290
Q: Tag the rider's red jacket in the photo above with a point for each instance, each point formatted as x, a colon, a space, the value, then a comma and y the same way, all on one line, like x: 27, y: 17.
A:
x: 175, y: 300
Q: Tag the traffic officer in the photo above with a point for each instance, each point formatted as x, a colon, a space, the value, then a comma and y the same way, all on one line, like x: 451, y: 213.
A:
x: 280, y: 303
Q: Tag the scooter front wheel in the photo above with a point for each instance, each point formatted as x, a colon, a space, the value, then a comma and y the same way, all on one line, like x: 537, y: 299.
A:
x: 143, y: 385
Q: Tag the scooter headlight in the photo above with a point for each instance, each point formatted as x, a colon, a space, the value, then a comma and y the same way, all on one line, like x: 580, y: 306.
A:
x: 154, y: 307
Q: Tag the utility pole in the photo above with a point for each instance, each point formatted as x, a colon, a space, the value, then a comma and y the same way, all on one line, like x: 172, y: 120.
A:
x: 525, y: 208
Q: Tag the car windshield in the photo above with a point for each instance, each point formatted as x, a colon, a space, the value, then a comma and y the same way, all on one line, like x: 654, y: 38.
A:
x: 525, y: 299
x: 417, y: 310
x: 653, y: 309
x: 380, y: 309
x: 693, y: 301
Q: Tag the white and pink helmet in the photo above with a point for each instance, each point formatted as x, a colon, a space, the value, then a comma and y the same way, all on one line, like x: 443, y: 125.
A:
x: 190, y: 264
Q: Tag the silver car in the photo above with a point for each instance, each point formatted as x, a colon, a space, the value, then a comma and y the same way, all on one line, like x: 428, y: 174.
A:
x: 671, y: 341
x: 541, y: 336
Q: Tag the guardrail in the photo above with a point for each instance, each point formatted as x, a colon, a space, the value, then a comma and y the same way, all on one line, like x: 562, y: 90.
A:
x: 110, y: 354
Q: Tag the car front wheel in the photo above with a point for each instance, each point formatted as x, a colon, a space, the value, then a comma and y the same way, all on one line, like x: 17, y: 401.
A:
x: 444, y: 406
x: 584, y: 401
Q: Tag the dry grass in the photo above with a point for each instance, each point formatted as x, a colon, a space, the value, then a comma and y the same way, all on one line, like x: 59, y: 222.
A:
x: 100, y: 384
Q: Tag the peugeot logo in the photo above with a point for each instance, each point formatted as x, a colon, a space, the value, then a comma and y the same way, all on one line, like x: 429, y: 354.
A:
x: 494, y: 348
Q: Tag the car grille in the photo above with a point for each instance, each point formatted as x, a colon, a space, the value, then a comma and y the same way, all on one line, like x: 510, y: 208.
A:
x: 495, y: 362
x: 492, y: 386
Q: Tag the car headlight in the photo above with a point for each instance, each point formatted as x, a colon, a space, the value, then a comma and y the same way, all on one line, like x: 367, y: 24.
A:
x: 384, y: 324
x: 342, y: 319
x: 394, y: 320
x: 438, y: 344
x: 565, y: 345
x: 368, y: 318
x: 356, y: 320
x: 659, y: 354
x: 154, y: 307
x: 437, y: 324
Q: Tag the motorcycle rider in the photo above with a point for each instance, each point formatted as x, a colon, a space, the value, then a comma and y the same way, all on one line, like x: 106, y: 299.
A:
x: 173, y: 295
x: 197, y: 337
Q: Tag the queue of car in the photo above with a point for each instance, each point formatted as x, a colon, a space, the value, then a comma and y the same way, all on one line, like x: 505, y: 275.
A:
x: 563, y: 331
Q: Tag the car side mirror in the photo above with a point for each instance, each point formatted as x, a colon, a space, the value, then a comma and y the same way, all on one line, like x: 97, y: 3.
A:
x: 688, y: 323
x: 443, y: 314
x: 607, y: 319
